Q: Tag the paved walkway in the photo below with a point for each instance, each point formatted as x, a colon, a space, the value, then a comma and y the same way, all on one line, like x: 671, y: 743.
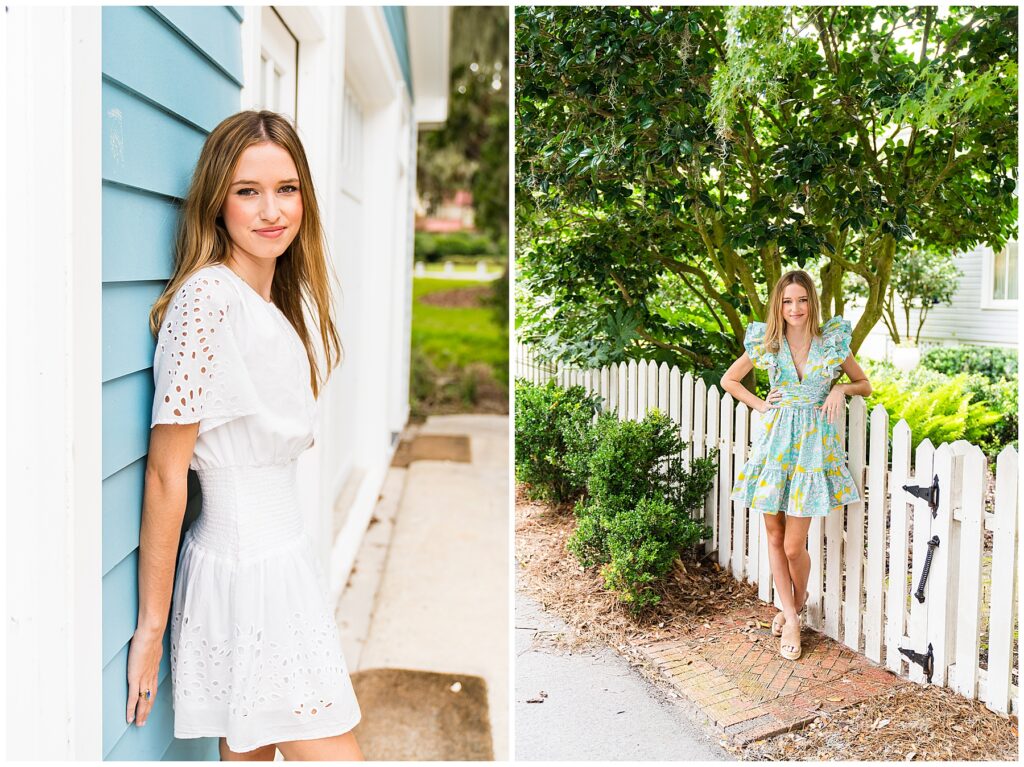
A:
x: 429, y: 589
x: 595, y: 706
x: 729, y: 669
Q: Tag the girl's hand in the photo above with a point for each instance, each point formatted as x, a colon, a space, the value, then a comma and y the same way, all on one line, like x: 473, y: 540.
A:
x: 834, y: 404
x: 144, y: 655
x: 770, y: 401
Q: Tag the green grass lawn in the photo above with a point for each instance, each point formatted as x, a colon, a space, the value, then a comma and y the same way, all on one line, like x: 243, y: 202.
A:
x: 456, y: 336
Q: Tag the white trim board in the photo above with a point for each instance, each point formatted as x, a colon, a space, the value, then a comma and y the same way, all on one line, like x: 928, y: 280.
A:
x: 53, y: 142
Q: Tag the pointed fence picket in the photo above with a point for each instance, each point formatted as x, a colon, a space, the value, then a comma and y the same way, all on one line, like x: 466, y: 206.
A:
x: 899, y: 536
x: 866, y: 560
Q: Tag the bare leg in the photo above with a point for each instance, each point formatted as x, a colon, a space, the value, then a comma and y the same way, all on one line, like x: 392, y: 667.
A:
x: 338, y: 748
x: 798, y: 557
x: 775, y: 526
x: 262, y: 754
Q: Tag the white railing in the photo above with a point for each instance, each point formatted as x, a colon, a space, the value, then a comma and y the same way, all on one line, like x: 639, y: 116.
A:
x: 866, y: 563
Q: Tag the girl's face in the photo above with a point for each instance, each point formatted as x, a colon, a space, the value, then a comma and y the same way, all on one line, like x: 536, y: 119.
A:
x: 263, y: 209
x: 795, y: 303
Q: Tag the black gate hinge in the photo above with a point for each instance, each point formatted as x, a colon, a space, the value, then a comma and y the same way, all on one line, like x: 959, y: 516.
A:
x: 928, y: 493
x: 924, y: 660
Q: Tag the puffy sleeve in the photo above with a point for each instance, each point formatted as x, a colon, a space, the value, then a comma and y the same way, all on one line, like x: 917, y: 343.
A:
x: 198, y: 369
x: 753, y: 343
x: 836, y: 336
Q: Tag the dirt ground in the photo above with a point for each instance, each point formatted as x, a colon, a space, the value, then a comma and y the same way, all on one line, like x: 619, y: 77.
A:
x: 459, y: 298
x: 944, y: 726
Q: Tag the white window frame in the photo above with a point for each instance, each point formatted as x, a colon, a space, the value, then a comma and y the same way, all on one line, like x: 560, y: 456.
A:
x: 988, y: 301
x: 282, y: 47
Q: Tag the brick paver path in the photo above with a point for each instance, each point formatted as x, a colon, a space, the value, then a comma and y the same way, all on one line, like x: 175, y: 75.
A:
x: 729, y: 667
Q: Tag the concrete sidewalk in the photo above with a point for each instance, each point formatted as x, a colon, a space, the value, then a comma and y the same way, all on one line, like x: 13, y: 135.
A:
x: 592, y: 705
x: 430, y: 586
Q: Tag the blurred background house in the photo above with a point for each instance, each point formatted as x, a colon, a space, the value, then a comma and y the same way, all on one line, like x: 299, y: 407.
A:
x: 982, y: 309
x: 107, y: 110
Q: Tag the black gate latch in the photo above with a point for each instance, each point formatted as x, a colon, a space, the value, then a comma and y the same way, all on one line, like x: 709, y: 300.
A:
x: 924, y: 660
x: 932, y: 545
x: 929, y: 493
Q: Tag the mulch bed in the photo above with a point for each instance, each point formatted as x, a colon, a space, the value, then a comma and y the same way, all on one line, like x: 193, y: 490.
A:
x: 910, y: 723
x: 551, y: 575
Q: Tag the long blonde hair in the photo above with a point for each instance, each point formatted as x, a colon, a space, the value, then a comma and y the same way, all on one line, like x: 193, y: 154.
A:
x: 774, y: 322
x: 300, y: 275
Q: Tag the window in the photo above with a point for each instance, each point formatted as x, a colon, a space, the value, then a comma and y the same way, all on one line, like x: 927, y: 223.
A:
x: 1004, y: 273
x: 278, y: 71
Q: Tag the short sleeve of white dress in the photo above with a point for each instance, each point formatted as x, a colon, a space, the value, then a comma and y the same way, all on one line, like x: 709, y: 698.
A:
x: 198, y: 370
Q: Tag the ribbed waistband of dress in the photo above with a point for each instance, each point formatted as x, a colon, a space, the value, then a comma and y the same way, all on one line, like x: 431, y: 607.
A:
x: 248, y: 511
x: 797, y: 405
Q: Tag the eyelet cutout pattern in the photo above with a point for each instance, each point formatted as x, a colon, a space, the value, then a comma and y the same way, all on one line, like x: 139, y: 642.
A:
x: 301, y: 675
x: 197, y: 370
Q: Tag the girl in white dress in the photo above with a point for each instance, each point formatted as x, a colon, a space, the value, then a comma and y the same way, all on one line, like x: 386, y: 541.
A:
x: 255, y: 654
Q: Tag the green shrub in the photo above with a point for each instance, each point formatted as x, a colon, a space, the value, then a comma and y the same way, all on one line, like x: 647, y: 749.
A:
x: 437, y: 247
x: 1002, y: 397
x: 642, y: 508
x: 553, y: 438
x: 992, y: 362
x: 643, y: 542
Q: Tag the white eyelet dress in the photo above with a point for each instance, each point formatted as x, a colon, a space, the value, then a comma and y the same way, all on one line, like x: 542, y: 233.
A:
x: 255, y: 652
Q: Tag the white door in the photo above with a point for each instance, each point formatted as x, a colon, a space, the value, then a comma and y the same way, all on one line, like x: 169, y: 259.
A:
x: 279, y: 55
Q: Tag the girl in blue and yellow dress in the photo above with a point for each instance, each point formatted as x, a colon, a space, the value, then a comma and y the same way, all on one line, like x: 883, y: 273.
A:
x: 797, y: 468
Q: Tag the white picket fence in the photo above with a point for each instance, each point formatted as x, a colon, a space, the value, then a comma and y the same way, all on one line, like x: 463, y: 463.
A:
x: 866, y: 563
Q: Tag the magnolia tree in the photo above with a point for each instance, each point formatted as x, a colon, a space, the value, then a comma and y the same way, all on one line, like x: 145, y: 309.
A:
x: 672, y: 163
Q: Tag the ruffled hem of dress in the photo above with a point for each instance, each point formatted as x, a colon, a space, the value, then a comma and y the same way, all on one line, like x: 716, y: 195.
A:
x: 273, y: 735
x: 771, y: 489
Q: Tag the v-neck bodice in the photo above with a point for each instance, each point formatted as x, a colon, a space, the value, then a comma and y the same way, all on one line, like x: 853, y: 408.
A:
x: 792, y: 359
x: 824, y: 358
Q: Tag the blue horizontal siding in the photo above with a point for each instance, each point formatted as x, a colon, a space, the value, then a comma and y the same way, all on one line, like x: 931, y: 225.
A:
x: 127, y: 409
x: 394, y: 15
x: 170, y: 74
x: 138, y: 234
x: 213, y: 31
x: 128, y: 345
x: 120, y: 586
x: 145, y: 147
x: 115, y: 704
x: 122, y: 513
x: 141, y: 34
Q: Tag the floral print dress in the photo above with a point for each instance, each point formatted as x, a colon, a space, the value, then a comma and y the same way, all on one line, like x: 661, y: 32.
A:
x: 798, y: 465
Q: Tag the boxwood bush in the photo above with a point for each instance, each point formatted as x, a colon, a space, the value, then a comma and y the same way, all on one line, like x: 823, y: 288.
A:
x: 437, y: 247
x: 553, y: 438
x: 642, y: 509
x: 992, y: 362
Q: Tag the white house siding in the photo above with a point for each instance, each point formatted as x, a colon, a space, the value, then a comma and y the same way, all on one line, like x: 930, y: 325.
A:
x: 356, y: 118
x: 966, y: 321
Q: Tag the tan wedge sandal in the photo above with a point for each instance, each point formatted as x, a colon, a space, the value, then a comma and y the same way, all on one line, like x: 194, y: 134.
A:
x: 780, y: 619
x: 791, y: 650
